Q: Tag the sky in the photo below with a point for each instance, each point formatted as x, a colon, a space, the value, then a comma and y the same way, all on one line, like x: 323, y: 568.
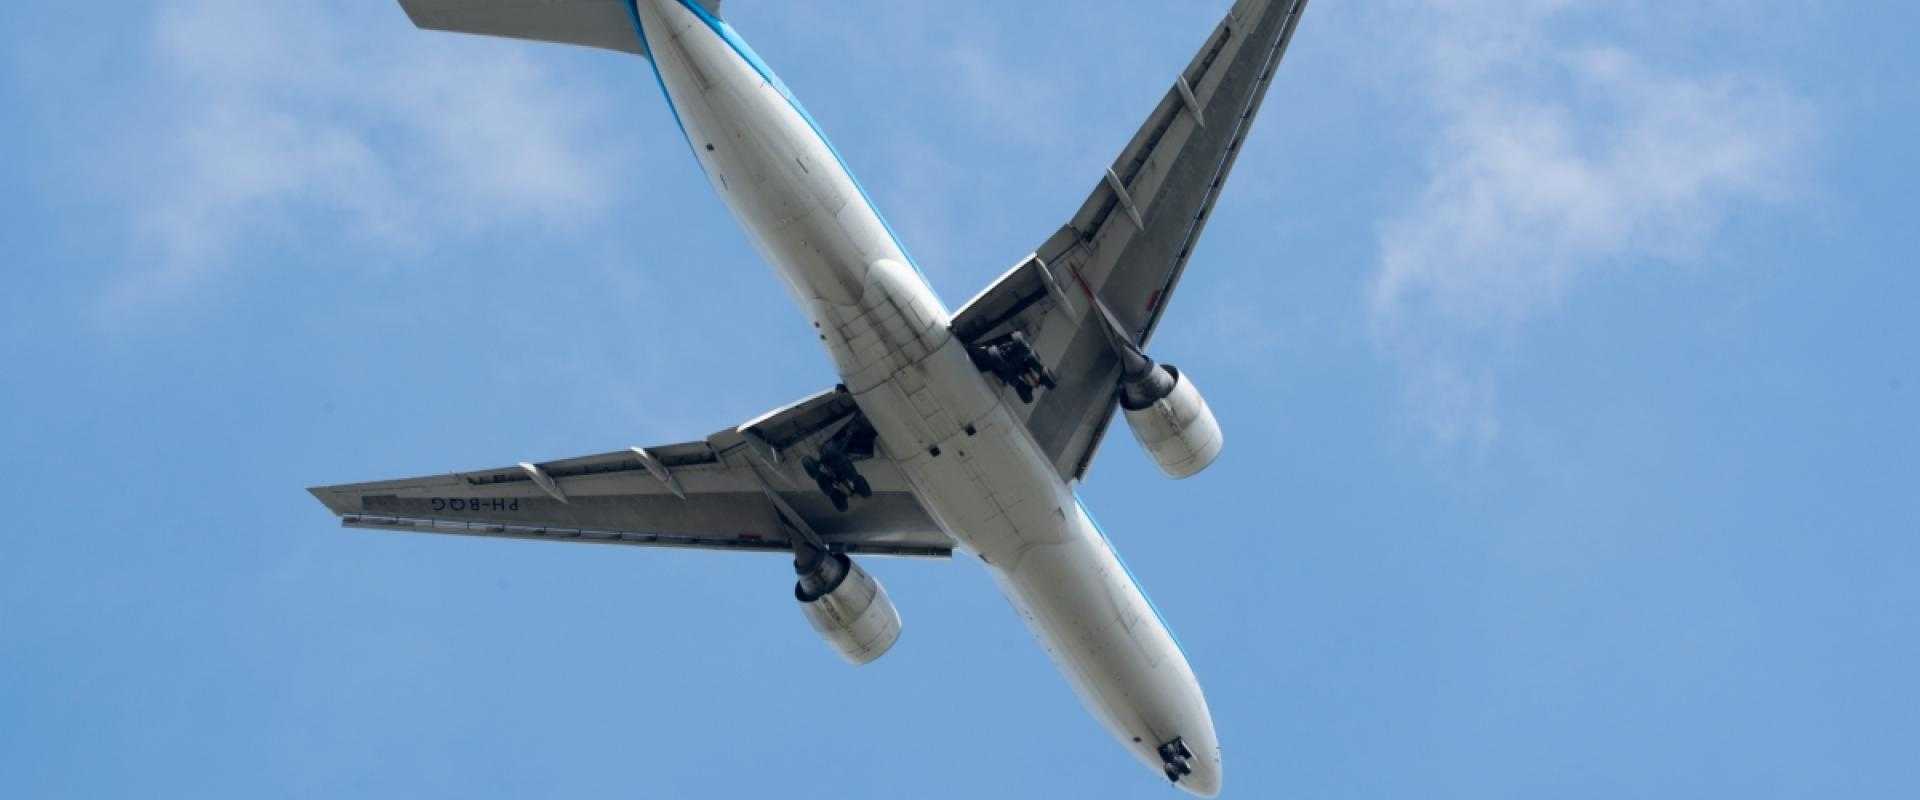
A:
x: 1564, y: 350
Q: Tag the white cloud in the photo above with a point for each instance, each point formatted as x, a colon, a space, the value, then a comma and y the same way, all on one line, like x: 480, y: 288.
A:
x: 1553, y: 161
x: 258, y: 115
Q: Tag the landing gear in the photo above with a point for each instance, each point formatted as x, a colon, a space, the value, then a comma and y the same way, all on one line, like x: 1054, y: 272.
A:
x: 1174, y: 758
x: 1011, y: 359
x: 834, y: 471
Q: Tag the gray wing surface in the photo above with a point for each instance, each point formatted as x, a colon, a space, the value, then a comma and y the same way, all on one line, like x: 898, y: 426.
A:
x: 1132, y: 237
x: 740, y: 489
x: 606, y: 24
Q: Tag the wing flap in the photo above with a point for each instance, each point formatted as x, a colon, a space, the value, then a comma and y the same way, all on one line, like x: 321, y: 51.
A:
x: 550, y: 533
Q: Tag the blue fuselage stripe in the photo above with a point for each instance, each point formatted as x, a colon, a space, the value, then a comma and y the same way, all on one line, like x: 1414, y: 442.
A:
x: 745, y: 52
x: 640, y: 30
x: 1129, y: 570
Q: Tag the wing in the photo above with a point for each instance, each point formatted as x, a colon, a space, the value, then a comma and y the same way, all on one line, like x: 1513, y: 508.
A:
x: 1131, y: 239
x: 740, y: 489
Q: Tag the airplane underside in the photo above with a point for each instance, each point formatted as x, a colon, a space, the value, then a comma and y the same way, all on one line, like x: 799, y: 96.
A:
x: 946, y: 430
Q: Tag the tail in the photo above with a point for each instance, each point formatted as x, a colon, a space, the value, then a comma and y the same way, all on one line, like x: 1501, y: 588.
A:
x: 606, y: 24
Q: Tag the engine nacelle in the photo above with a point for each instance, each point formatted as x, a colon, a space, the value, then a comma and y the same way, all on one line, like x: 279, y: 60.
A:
x: 1172, y: 421
x: 847, y: 607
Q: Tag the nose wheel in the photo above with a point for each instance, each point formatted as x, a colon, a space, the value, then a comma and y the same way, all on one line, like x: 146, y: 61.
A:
x: 1175, y: 759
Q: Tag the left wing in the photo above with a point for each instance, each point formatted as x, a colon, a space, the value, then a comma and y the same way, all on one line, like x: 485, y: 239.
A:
x: 740, y: 489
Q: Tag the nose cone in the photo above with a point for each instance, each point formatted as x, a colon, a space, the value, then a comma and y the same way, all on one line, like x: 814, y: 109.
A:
x: 1205, y: 780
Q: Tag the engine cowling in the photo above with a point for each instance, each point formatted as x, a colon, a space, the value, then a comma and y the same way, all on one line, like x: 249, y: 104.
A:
x: 1172, y: 421
x: 848, y: 607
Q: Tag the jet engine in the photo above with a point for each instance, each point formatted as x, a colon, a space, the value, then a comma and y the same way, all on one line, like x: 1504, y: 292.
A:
x: 1171, y: 420
x: 848, y: 607
x: 1168, y: 416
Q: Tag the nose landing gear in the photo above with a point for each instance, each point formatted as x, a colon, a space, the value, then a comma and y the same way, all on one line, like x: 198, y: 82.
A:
x: 1011, y: 359
x: 1175, y: 758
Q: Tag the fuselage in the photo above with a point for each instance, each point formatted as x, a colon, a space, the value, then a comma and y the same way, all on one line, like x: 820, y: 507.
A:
x: 970, y: 460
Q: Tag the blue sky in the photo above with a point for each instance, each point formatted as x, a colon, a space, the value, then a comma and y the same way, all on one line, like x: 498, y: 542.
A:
x: 1565, y: 351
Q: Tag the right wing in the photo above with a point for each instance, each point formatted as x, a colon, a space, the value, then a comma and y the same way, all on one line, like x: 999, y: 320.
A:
x: 739, y: 489
x: 1130, y: 241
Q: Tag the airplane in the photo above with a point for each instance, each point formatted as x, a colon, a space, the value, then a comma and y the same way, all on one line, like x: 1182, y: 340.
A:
x: 946, y: 430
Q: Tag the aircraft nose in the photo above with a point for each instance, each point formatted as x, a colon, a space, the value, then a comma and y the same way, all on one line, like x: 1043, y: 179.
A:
x: 1204, y: 776
x: 1205, y: 780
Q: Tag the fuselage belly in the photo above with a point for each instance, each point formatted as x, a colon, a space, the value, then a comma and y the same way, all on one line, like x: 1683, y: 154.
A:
x: 970, y: 460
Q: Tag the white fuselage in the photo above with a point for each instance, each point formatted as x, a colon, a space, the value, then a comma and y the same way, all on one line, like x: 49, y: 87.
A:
x: 971, y: 462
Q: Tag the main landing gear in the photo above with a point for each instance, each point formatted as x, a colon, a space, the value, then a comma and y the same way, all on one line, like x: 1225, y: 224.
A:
x: 834, y: 472
x: 1011, y: 359
x: 1175, y: 758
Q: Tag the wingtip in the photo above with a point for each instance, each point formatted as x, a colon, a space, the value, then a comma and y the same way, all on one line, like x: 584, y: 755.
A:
x: 328, y: 497
x: 412, y: 9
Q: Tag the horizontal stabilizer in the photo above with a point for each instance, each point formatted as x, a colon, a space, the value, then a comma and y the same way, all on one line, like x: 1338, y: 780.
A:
x: 606, y: 24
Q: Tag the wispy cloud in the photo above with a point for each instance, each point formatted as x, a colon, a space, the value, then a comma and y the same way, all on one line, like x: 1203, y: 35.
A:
x: 999, y: 97
x: 259, y: 115
x: 1552, y: 160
